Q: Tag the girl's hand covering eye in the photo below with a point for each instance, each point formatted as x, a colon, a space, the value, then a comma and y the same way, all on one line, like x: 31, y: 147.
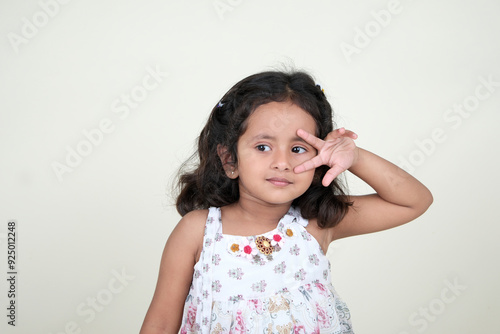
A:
x: 337, y: 150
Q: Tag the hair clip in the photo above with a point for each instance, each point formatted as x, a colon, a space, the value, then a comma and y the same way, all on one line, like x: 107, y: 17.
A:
x: 322, y: 90
x: 220, y: 104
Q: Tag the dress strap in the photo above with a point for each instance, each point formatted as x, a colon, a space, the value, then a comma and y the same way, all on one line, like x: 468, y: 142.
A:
x: 293, y: 215
x: 213, y: 224
x: 212, y: 228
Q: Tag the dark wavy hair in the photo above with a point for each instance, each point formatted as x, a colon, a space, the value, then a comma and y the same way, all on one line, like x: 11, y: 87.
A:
x: 207, y: 184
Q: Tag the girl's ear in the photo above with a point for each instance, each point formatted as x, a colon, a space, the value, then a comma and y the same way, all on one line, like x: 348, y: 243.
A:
x: 227, y: 162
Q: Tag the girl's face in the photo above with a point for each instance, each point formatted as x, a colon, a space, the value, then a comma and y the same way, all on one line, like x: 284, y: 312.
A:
x: 269, y: 150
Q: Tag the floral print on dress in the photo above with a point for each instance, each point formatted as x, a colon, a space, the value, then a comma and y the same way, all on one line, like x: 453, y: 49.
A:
x: 216, y: 286
x: 197, y: 274
x: 300, y: 275
x: 248, y: 249
x: 236, y: 273
x: 285, y: 329
x: 260, y: 260
x: 299, y: 329
x: 218, y: 330
x: 240, y: 289
x: 305, y: 235
x: 257, y: 249
x: 295, y: 250
x: 239, y: 327
x: 235, y: 299
x: 306, y: 291
x: 323, y: 320
x: 322, y: 289
x: 256, y: 305
x: 208, y: 242
x: 313, y: 258
x: 190, y: 326
x: 280, y: 268
x: 216, y: 259
x: 259, y: 286
x: 218, y: 237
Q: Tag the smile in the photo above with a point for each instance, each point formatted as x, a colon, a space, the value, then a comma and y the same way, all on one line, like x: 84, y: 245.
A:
x: 278, y: 181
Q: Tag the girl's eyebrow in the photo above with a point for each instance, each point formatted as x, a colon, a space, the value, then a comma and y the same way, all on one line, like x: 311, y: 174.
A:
x: 261, y: 136
x: 269, y: 137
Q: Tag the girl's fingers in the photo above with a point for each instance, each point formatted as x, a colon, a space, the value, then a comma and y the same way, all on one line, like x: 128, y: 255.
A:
x: 350, y: 134
x: 317, y: 143
x: 319, y: 159
x: 309, y: 164
x: 311, y: 139
x: 332, y: 173
x: 341, y: 132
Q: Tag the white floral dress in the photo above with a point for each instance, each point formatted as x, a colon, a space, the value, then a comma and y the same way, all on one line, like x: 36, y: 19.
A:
x: 278, y: 282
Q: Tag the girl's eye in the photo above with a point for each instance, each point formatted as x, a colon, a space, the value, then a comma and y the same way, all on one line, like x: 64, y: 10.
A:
x: 263, y: 148
x: 298, y: 149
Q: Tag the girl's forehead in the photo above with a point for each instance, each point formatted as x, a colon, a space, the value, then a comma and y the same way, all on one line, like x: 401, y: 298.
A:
x: 280, y: 116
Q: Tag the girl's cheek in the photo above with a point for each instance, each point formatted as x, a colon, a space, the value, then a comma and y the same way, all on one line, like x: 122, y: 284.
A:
x: 300, y: 160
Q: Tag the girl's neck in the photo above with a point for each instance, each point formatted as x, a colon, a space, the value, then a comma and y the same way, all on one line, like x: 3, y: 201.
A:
x: 250, y: 218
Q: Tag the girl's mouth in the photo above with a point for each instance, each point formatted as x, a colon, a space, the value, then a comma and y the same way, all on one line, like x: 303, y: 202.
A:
x: 279, y: 181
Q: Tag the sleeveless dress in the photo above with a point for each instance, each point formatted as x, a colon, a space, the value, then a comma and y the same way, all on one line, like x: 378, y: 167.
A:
x: 278, y: 282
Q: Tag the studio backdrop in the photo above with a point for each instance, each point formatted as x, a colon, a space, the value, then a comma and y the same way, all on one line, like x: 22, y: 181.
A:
x: 102, y: 101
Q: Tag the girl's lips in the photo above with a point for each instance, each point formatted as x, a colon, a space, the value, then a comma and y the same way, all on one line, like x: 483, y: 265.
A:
x: 278, y: 181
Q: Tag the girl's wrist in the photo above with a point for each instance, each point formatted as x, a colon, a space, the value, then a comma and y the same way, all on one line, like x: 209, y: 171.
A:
x: 358, y: 152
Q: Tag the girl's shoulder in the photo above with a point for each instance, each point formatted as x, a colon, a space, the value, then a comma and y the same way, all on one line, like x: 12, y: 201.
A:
x: 196, y: 214
x: 191, y: 226
x: 194, y: 220
x: 189, y: 232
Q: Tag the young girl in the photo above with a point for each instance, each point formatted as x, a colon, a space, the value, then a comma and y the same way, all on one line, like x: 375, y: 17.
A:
x: 260, y: 209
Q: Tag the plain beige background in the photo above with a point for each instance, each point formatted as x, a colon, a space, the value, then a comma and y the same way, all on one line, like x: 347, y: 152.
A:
x: 127, y: 86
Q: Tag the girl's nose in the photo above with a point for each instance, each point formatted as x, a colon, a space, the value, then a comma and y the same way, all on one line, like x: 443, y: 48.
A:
x: 281, y: 162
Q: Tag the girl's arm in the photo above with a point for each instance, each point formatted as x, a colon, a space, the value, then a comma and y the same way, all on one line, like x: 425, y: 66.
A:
x: 399, y: 197
x: 176, y: 271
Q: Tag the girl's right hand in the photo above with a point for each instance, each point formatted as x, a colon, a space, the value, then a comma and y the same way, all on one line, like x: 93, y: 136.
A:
x: 337, y: 150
